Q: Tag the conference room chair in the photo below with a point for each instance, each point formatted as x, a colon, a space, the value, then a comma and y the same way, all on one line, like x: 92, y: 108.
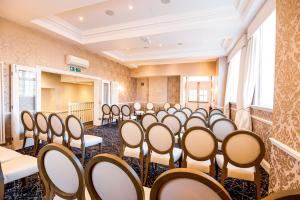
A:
x: 177, y: 106
x: 194, y: 121
x: 174, y: 124
x: 150, y: 108
x: 171, y: 110
x: 115, y: 113
x: 28, y: 123
x: 106, y: 113
x: 202, y: 110
x: 147, y: 120
x: 187, y: 111
x: 110, y: 178
x: 212, y: 118
x: 182, y: 117
x: 221, y: 128
x: 161, y: 142
x: 160, y: 115
x: 167, y: 106
x: 138, y: 109
x: 62, y: 173
x: 77, y: 138
x: 132, y: 142
x: 42, y: 126
x: 199, y: 114
x: 126, y: 113
x: 58, y: 132
x: 187, y: 184
x: 14, y: 166
x: 243, y: 152
x: 199, y: 147
x: 215, y: 110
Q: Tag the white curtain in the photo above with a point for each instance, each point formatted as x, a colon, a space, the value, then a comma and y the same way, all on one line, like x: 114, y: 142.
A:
x: 229, y: 86
x: 247, y: 80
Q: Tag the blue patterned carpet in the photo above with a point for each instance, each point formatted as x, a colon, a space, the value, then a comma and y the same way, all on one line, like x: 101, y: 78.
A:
x: 31, y: 187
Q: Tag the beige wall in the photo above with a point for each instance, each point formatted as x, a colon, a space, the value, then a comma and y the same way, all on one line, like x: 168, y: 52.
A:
x: 285, y: 170
x: 188, y: 69
x: 53, y: 88
x: 158, y: 89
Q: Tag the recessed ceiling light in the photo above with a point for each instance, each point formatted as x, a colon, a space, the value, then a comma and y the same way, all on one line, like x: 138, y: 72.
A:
x: 146, y: 47
x: 109, y: 12
x: 81, y: 18
x: 165, y: 1
x: 160, y: 45
x: 179, y: 44
x: 130, y: 7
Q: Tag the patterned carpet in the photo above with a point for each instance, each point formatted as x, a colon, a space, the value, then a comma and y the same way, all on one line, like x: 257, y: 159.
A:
x: 31, y: 187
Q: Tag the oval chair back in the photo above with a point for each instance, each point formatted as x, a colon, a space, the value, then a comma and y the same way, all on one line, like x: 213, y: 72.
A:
x: 194, y: 121
x: 187, y: 111
x: 58, y: 130
x: 172, y: 110
x: 109, y: 177
x: 191, y: 184
x: 181, y: 116
x: 223, y: 127
x: 212, y: 118
x: 137, y: 106
x: 75, y: 129
x: 126, y: 112
x: 198, y: 114
x: 27, y: 121
x: 131, y: 134
x: 202, y: 110
x: 167, y: 106
x: 160, y: 115
x: 150, y: 106
x: 106, y: 109
x: 61, y: 172
x: 177, y: 106
x: 42, y: 123
x: 200, y: 144
x: 147, y: 120
x: 215, y: 110
x: 173, y: 123
x: 115, y: 111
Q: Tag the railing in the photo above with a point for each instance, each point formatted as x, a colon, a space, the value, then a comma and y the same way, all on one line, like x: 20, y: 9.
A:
x: 84, y: 111
x: 62, y: 114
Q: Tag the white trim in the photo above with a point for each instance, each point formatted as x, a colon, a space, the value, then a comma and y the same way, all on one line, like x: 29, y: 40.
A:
x: 2, y: 115
x: 268, y: 122
x: 256, y: 107
x: 292, y: 152
x: 238, y: 46
x: 266, y: 165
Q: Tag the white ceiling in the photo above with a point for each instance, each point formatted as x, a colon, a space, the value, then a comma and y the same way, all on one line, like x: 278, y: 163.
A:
x: 150, y: 33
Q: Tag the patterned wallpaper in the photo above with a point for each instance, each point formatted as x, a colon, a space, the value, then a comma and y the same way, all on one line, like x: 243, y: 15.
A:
x: 285, y: 171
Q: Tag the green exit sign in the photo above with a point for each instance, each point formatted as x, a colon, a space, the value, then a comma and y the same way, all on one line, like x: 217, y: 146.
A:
x: 75, y: 69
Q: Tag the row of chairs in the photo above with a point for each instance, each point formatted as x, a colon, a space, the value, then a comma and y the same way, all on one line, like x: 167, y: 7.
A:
x: 243, y: 150
x: 109, y: 177
x: 53, y: 129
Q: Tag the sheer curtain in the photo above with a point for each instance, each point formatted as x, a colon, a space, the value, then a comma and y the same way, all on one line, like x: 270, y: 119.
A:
x: 247, y: 81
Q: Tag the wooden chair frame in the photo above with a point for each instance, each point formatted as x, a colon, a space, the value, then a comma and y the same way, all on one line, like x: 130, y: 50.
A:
x: 118, y: 162
x: 166, y: 106
x: 29, y: 129
x: 177, y: 133
x: 218, y: 121
x: 172, y: 108
x: 40, y: 131
x: 54, y: 133
x: 194, y: 117
x: 209, y: 119
x: 124, y: 114
x: 200, y: 113
x: 198, y: 110
x: 145, y: 115
x: 161, y: 111
x: 139, y: 145
x: 115, y: 114
x: 105, y: 114
x: 187, y: 108
x: 50, y: 187
x: 215, y: 109
x: 210, y: 156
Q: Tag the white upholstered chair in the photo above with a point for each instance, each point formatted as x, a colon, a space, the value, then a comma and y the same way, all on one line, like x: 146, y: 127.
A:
x: 187, y: 111
x: 199, y: 147
x: 212, y: 118
x: 115, y: 113
x: 215, y: 110
x: 43, y: 129
x: 14, y: 166
x: 126, y: 113
x: 161, y: 141
x: 77, y: 138
x: 187, y: 184
x: 61, y: 173
x: 182, y: 117
x: 167, y: 106
x: 110, y: 178
x: 202, y: 110
x: 221, y: 128
x: 199, y: 114
x: 177, y: 106
x: 194, y: 121
x: 138, y: 109
x: 58, y: 132
x: 243, y: 152
x: 150, y: 108
x: 160, y: 115
x: 29, y: 127
x: 106, y: 113
x: 132, y: 142
x: 147, y: 120
x: 171, y: 110
x: 174, y: 124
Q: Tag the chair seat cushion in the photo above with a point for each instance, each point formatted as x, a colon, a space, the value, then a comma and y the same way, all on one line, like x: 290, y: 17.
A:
x: 58, y: 140
x: 203, y: 166
x: 139, y: 112
x: 135, y: 152
x: 164, y: 158
x: 29, y: 134
x: 117, y: 117
x: 87, y: 196
x: 236, y: 172
x: 147, y: 193
x: 8, y: 154
x: 19, y: 167
x: 150, y: 111
x: 129, y: 117
x: 89, y: 140
x: 43, y: 137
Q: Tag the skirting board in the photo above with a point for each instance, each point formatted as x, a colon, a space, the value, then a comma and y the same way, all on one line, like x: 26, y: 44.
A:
x: 265, y: 165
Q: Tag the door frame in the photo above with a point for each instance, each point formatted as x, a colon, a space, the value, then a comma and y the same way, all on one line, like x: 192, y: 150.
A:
x: 109, y: 91
x: 2, y: 116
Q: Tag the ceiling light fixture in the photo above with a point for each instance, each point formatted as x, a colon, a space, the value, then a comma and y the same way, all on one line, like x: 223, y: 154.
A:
x: 165, y: 1
x: 160, y: 45
x: 109, y: 12
x: 179, y: 44
x: 130, y: 7
x: 81, y: 18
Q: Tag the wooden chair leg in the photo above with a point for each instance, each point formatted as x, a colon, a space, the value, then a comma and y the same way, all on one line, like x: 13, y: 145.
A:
x: 2, y: 189
x: 36, y: 146
x: 223, y: 175
x: 147, y: 169
x: 100, y: 147
x: 257, y: 183
x: 142, y: 168
x: 24, y: 143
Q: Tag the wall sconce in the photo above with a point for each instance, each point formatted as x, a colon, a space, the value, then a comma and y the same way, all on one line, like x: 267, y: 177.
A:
x: 121, y: 89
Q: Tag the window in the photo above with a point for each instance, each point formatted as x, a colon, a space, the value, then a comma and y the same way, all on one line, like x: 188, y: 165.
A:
x: 192, y: 95
x: 266, y: 33
x: 203, y: 95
